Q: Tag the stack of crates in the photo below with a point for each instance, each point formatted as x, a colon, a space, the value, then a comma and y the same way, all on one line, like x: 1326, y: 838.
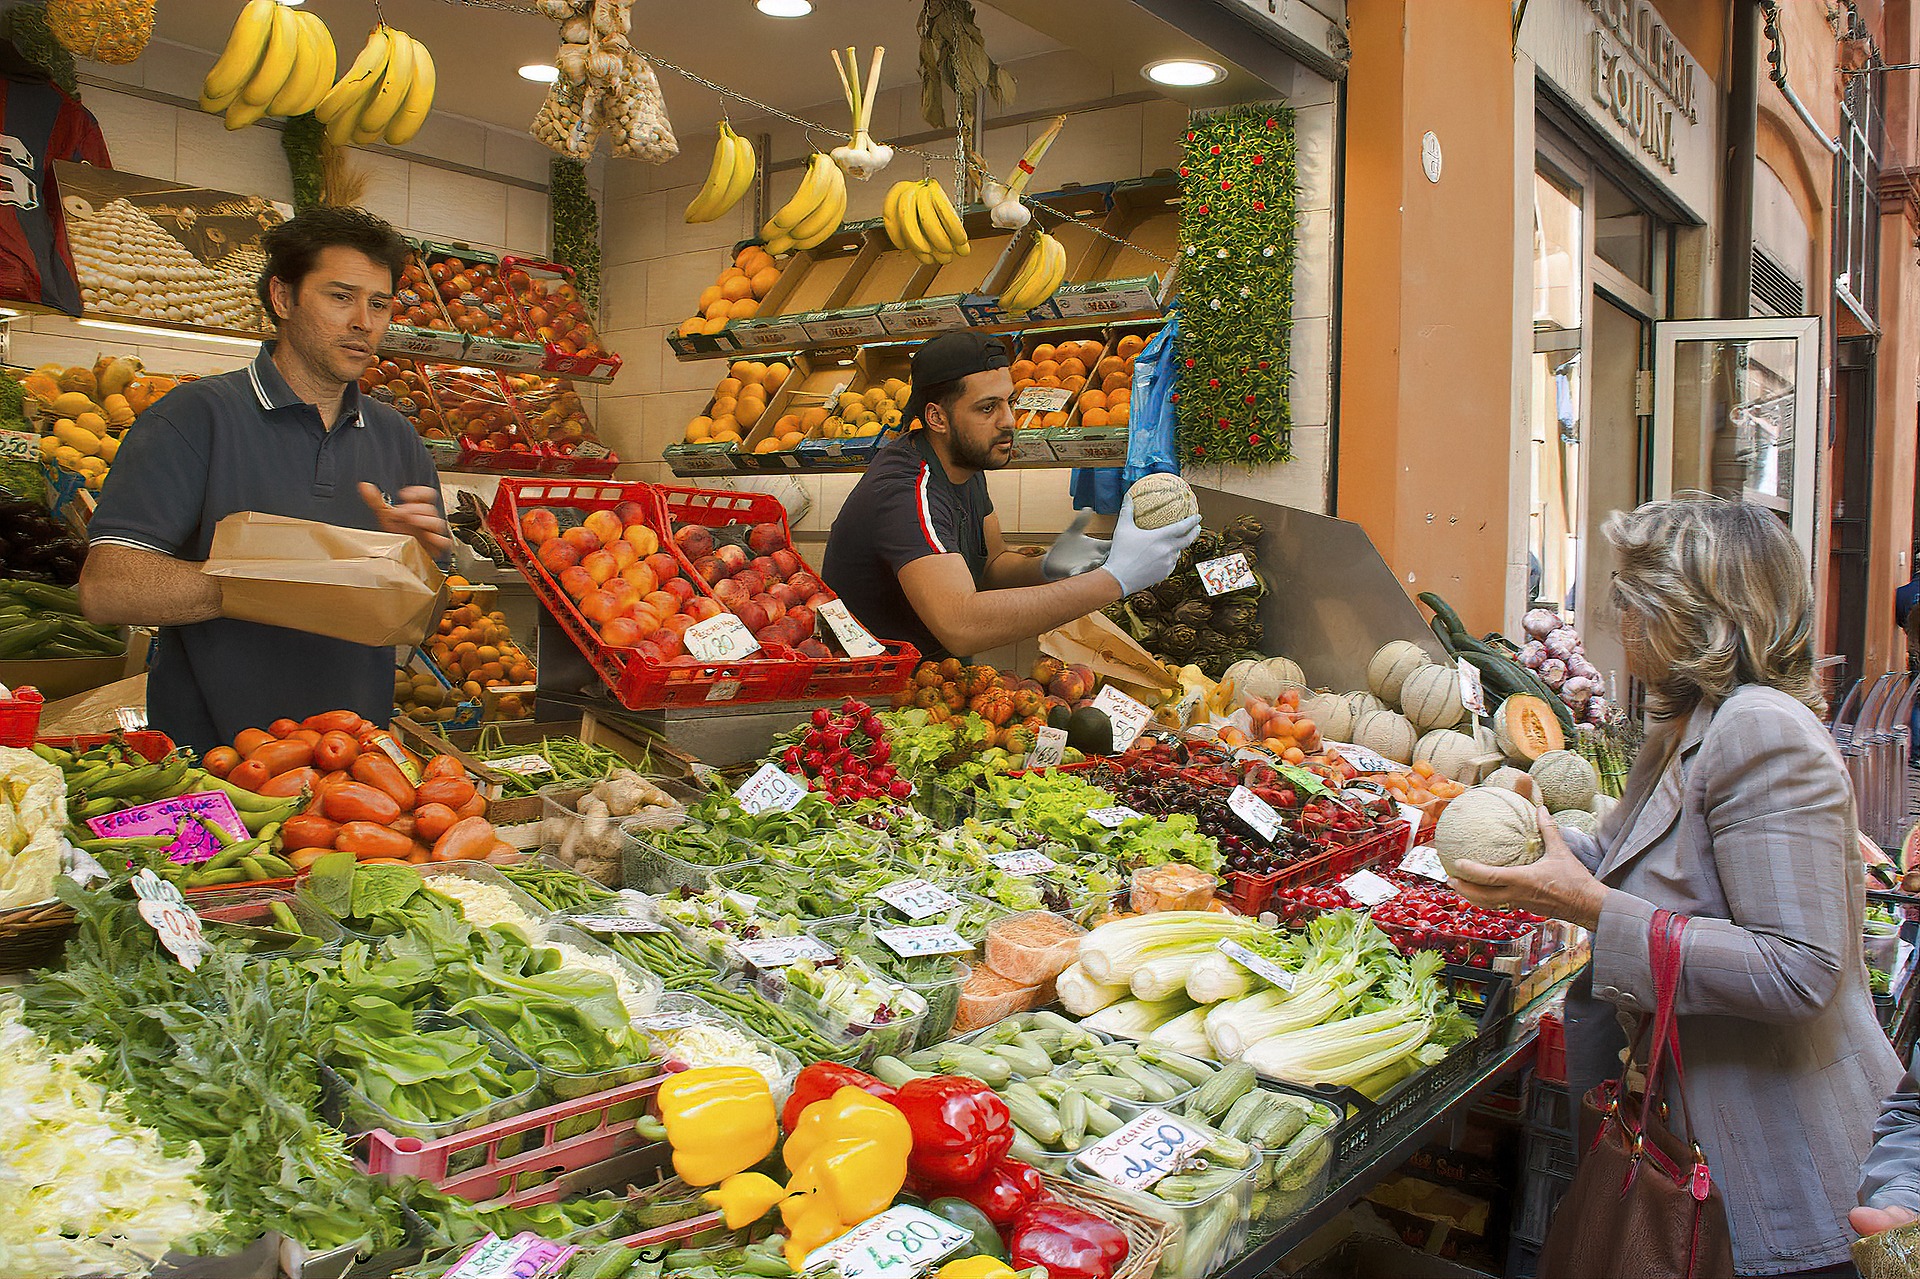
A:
x: 1549, y: 1171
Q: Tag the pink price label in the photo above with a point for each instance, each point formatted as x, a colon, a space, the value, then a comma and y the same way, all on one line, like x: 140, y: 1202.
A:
x: 177, y: 816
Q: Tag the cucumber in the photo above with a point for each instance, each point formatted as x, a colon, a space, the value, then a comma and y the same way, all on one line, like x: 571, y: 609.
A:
x: 1444, y: 611
x: 24, y: 638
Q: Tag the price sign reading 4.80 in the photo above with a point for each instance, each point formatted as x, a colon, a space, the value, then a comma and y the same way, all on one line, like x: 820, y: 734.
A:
x: 901, y: 1242
x: 1141, y: 1152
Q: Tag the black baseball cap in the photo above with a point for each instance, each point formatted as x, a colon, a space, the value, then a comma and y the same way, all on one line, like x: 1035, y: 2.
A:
x: 950, y: 357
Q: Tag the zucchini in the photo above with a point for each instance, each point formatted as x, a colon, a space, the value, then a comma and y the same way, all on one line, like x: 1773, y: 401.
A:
x: 1218, y: 1094
x: 26, y: 637
x: 1444, y: 611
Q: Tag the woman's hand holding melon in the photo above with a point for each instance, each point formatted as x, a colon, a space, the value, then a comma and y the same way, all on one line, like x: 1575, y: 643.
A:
x: 1558, y: 885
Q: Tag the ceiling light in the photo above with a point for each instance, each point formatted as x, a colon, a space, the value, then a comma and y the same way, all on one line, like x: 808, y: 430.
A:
x: 1184, y: 73
x: 293, y: 4
x: 784, y: 8
x: 540, y: 72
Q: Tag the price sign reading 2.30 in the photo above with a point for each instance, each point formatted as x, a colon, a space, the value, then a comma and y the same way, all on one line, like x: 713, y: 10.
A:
x: 1142, y: 1151
x: 901, y: 1242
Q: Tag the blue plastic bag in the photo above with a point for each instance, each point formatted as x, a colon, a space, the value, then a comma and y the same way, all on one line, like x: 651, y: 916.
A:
x: 1151, y: 447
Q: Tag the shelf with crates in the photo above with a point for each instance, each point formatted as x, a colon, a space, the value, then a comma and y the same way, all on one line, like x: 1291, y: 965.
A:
x: 81, y: 415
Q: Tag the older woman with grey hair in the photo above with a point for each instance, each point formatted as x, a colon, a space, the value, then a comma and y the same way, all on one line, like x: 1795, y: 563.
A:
x: 1738, y: 814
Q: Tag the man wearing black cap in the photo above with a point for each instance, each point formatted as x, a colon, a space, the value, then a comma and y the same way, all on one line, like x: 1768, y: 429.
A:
x: 916, y: 552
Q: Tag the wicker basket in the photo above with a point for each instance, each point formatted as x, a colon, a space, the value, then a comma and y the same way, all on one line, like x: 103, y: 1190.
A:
x: 1146, y: 1236
x: 32, y: 935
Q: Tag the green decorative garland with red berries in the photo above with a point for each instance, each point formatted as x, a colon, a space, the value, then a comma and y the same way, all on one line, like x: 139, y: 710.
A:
x: 1236, y: 287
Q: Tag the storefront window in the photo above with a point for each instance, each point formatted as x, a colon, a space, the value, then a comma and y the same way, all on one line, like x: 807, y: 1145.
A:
x: 1553, y: 512
x: 1622, y: 233
x: 1557, y: 253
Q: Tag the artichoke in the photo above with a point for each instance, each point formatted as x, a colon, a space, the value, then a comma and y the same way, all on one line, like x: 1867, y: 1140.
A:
x: 1208, y: 640
x: 1148, y: 632
x: 1143, y: 603
x: 1236, y: 615
x: 1179, y: 641
x: 1245, y: 531
x: 1172, y: 591
x: 1207, y: 546
x: 1193, y: 612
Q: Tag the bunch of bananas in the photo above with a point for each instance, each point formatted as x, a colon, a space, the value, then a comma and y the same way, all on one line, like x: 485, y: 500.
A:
x: 278, y: 61
x: 386, y: 93
x: 921, y: 220
x: 815, y: 211
x: 1040, y: 274
x: 728, y: 179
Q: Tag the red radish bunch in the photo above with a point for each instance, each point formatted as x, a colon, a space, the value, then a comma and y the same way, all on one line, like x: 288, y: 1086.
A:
x: 844, y: 756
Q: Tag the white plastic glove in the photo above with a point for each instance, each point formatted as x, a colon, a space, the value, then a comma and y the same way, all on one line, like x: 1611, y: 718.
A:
x: 1073, y: 552
x: 1145, y: 557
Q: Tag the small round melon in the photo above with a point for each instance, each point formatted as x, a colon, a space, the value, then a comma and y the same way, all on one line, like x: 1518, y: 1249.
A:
x: 1578, y: 819
x: 1390, y: 667
x: 1566, y: 780
x: 1451, y: 754
x: 1386, y: 733
x: 1270, y: 677
x: 1237, y: 673
x: 1430, y: 698
x: 1486, y: 739
x: 1488, y: 824
x: 1160, y: 500
x: 1511, y: 778
x: 1360, y: 703
x: 1330, y: 714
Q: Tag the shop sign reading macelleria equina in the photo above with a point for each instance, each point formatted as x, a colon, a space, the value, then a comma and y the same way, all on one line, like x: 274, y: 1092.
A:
x: 1618, y: 64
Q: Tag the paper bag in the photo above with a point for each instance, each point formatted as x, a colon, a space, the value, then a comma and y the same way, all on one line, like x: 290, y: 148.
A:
x: 365, y: 587
x: 1112, y: 654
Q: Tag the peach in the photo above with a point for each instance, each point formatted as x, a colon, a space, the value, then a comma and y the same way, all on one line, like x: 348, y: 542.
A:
x: 678, y: 623
x: 621, y: 632
x: 767, y: 567
x: 606, y: 526
x: 539, y: 526
x: 680, y: 588
x: 693, y: 541
x: 710, y: 568
x: 665, y: 567
x: 788, y: 596
x: 624, y: 555
x: 641, y: 538
x: 774, y: 609
x: 602, y: 565
x: 584, y: 539
x: 662, y: 603
x: 641, y: 577
x: 557, y: 555
x: 599, y: 607
x: 751, y: 614
x: 801, y: 619
x: 730, y: 592
x: 733, y: 557
x: 701, y: 609
x: 765, y: 539
x: 669, y: 642
x: 577, y: 582
x: 630, y: 513
x: 787, y: 562
x: 751, y: 581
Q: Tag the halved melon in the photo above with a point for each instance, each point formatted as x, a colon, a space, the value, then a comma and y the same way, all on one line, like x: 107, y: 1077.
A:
x: 1526, y: 729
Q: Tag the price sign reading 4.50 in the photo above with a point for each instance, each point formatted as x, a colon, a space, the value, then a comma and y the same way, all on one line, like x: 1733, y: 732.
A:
x: 901, y: 1242
x: 1141, y: 1152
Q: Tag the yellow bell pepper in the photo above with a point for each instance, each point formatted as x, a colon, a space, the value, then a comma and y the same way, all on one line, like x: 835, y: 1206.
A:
x: 976, y: 1268
x: 848, y: 1154
x: 720, y: 1120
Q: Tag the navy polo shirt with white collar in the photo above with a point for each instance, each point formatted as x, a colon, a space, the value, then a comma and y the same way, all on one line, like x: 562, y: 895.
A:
x: 244, y: 441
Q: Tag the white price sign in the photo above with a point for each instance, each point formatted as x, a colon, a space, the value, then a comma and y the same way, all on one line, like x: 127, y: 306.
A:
x: 1259, y: 965
x: 721, y: 638
x: 1472, y: 696
x: 1141, y: 1152
x: 522, y: 765
x: 1368, y: 888
x: 1049, y: 748
x: 771, y: 790
x: 1228, y: 573
x: 1042, y: 399
x: 855, y: 639
x: 1129, y: 717
x: 1023, y: 861
x: 910, y: 943
x: 1257, y: 813
x: 1424, y: 860
x: 165, y: 911
x: 778, y: 952
x: 901, y: 1242
x: 615, y: 923
x: 916, y: 898
x: 1412, y: 816
x: 1114, y: 818
x: 1366, y: 761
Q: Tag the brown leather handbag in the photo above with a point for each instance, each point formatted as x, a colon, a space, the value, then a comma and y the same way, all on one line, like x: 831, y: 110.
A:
x: 1643, y: 1204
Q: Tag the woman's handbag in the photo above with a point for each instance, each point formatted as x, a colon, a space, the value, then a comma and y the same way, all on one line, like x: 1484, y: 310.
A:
x: 1643, y: 1204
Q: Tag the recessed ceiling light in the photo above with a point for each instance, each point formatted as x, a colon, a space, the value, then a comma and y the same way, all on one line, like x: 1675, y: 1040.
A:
x: 540, y: 72
x: 1184, y: 73
x: 293, y: 4
x: 784, y: 8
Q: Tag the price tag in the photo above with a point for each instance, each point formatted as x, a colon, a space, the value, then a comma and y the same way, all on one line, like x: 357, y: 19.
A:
x: 1257, y: 813
x: 909, y: 943
x: 721, y: 638
x: 771, y: 790
x: 522, y: 765
x: 1023, y: 861
x: 1472, y: 696
x: 19, y: 446
x: 1114, y: 818
x: 1366, y: 761
x: 1368, y: 888
x: 1228, y: 573
x: 591, y: 449
x: 1129, y: 717
x: 901, y: 1242
x: 525, y: 1256
x: 179, y: 817
x: 1184, y: 708
x: 1049, y: 748
x: 165, y: 911
x: 1038, y: 399
x: 916, y: 898
x: 1260, y: 966
x: 1424, y: 860
x: 614, y: 923
x: 1303, y: 781
x: 1142, y: 1151
x: 855, y: 639
x: 778, y: 952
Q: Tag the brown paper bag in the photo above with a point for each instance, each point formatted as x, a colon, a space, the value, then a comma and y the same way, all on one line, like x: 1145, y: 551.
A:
x: 1112, y: 654
x: 366, y: 587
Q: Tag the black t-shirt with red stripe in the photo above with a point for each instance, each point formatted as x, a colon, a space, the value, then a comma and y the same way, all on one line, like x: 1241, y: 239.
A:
x: 38, y: 125
x: 903, y: 508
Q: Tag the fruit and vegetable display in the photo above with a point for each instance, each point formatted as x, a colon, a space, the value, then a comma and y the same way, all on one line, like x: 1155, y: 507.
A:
x: 40, y: 620
x: 128, y: 264
x: 476, y: 300
x: 1062, y: 366
x: 83, y: 414
x: 36, y: 547
x: 739, y: 401
x: 475, y: 649
x: 556, y: 315
x: 756, y: 575
x: 1187, y: 619
x: 401, y: 384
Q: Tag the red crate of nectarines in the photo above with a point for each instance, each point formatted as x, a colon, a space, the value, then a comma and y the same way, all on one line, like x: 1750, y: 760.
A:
x: 555, y: 315
x: 596, y: 556
x: 740, y: 546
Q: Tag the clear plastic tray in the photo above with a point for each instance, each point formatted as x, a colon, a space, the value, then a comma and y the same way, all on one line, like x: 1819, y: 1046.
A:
x: 972, y: 919
x: 235, y: 912
x: 1205, y: 1232
x: 561, y: 821
x: 564, y: 1085
x: 481, y: 873
x: 786, y: 1065
x: 741, y: 879
x: 352, y: 1111
x: 724, y: 953
x: 651, y: 869
x: 939, y: 982
x: 1030, y: 963
x: 977, y: 1011
x: 649, y: 983
x: 872, y: 1039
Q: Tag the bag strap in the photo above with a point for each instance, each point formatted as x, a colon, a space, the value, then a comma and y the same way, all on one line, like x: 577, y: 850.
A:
x: 1666, y: 947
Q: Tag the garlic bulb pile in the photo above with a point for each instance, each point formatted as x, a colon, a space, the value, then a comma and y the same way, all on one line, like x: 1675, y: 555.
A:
x: 603, y: 84
x: 1553, y: 651
x: 126, y: 263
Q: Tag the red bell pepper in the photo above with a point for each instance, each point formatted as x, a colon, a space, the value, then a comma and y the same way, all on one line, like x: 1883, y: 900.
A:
x: 1070, y: 1243
x: 823, y: 1079
x: 960, y: 1129
x: 1007, y: 1189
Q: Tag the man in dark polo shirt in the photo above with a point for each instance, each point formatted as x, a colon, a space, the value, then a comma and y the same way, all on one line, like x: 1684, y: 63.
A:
x: 290, y: 435
x: 916, y: 552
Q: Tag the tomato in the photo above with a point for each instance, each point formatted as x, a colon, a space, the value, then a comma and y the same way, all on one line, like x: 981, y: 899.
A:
x: 308, y: 830
x: 290, y: 783
x: 336, y: 750
x: 280, y: 756
x: 430, y: 821
x: 444, y: 766
x: 220, y: 760
x: 284, y: 728
x: 358, y: 802
x: 371, y: 839
x: 334, y: 722
x: 250, y: 775
x: 376, y: 770
x: 251, y: 740
x: 405, y: 825
x: 469, y: 839
x: 453, y: 792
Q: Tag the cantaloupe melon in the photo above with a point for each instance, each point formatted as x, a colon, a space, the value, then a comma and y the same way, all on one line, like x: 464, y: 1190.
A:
x: 1488, y: 824
x: 1526, y: 729
x: 1159, y: 500
x: 1360, y: 703
x: 1390, y: 667
x: 1452, y: 755
x: 1237, y: 673
x: 1330, y: 714
x: 1515, y: 780
x: 1604, y: 804
x: 1566, y: 780
x: 1270, y: 677
x: 1386, y: 733
x: 1578, y: 819
x: 1430, y: 698
x: 1484, y: 738
x: 1891, y: 1254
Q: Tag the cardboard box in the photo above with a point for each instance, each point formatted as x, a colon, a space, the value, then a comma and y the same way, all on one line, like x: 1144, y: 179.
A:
x: 856, y: 324
x: 816, y: 381
x: 817, y: 279
x: 891, y: 274
x: 350, y: 584
x: 701, y: 459
x: 1111, y: 279
x: 874, y: 366
x: 63, y: 677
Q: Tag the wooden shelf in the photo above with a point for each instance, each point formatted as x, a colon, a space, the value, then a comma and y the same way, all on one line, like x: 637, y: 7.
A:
x: 895, y: 339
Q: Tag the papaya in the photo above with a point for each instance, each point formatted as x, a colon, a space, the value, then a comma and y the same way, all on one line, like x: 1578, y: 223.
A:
x: 80, y: 380
x: 41, y: 387
x: 76, y: 437
x: 71, y: 404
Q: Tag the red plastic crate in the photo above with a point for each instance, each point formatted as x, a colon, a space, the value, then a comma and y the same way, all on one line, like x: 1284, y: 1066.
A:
x: 636, y: 682
x: 861, y: 676
x: 522, y: 276
x: 20, y: 718
x: 497, y: 1178
x: 1550, y: 1061
x: 1249, y: 894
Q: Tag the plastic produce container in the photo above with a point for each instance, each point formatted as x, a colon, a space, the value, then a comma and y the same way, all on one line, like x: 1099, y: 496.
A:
x: 986, y: 997
x: 564, y: 1085
x: 972, y: 918
x: 872, y: 1038
x: 649, y: 868
x: 935, y: 978
x: 1205, y: 1231
x: 1032, y: 947
x: 833, y: 885
x: 352, y: 1111
x: 481, y: 873
x: 675, y: 1008
x: 238, y: 913
x: 573, y: 834
x: 1129, y: 1109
